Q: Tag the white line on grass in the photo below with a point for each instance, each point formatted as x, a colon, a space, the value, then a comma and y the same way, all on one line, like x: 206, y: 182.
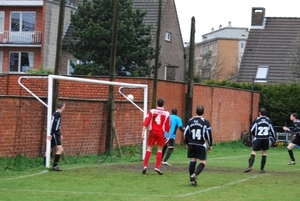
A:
x: 134, y: 194
x: 81, y: 192
x: 39, y: 173
x: 25, y: 176
x: 217, y: 187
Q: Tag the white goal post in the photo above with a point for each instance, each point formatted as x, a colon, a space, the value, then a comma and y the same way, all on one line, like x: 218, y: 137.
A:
x: 75, y: 79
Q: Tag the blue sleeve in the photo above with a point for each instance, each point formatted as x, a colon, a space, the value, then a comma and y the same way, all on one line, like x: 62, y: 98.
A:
x: 179, y: 122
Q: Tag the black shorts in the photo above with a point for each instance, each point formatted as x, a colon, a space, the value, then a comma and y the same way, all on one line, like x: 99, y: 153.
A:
x: 197, y: 151
x: 55, y: 141
x: 170, y: 143
x: 296, y: 141
x: 260, y: 144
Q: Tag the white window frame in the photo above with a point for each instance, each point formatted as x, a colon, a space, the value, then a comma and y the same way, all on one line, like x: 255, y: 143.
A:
x: 21, y: 19
x: 168, y: 36
x: 19, y: 62
x: 2, y: 15
x: 261, y: 74
x: 1, y: 61
x: 167, y: 67
x: 70, y: 68
x: 165, y: 73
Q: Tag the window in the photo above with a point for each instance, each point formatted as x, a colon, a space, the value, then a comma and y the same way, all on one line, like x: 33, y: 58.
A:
x: 261, y: 74
x: 170, y: 72
x: 1, y: 21
x: 168, y: 36
x: 22, y: 21
x: 1, y: 60
x: 74, y: 62
x: 70, y: 68
x: 20, y: 61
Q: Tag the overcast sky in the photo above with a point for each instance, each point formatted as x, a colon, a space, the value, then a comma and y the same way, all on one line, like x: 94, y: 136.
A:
x: 211, y: 14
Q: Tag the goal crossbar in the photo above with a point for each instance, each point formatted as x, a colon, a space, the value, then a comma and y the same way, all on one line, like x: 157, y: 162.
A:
x: 75, y: 79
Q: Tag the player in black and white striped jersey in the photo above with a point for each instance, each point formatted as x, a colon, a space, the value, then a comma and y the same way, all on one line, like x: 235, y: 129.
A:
x: 197, y: 136
x: 296, y: 132
x: 261, y: 129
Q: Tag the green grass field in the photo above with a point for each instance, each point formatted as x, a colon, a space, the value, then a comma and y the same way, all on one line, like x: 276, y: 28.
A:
x: 121, y: 179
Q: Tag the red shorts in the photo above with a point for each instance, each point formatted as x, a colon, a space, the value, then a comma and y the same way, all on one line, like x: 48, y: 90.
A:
x: 157, y: 137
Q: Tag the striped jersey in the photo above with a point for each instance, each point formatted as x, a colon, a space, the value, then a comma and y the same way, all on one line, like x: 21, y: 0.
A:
x: 158, y: 119
x: 198, y: 132
x: 262, y: 128
x: 55, y: 123
x: 296, y: 129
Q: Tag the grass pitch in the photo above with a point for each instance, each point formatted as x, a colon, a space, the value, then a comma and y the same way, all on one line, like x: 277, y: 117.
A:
x: 122, y: 179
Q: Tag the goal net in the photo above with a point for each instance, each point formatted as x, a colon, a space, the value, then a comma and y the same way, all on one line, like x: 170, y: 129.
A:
x: 84, y: 119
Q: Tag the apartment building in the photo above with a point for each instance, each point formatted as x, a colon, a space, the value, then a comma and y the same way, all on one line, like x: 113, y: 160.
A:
x: 218, y: 55
x: 21, y: 35
x: 28, y: 34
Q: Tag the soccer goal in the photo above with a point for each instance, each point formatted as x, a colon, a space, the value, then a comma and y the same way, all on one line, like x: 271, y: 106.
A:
x: 75, y: 115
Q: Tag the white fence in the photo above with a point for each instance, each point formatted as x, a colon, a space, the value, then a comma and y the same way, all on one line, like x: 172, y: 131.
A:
x: 21, y: 37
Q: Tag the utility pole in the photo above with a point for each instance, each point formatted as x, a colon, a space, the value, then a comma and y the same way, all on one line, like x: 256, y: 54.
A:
x: 157, y: 52
x: 189, y: 97
x: 110, y: 101
x: 61, y: 17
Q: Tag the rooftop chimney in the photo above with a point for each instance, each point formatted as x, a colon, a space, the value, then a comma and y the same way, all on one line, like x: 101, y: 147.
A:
x: 229, y: 24
x: 220, y: 26
x: 258, y: 15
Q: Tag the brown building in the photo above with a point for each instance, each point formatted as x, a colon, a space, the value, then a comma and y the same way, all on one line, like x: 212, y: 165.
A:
x: 171, y: 51
x: 219, y: 54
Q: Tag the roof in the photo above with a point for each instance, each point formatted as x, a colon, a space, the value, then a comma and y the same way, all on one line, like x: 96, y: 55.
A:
x: 21, y: 3
x: 270, y: 45
x: 151, y: 6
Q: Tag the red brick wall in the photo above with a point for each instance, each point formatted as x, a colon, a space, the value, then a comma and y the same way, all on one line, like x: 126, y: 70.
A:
x: 228, y: 110
x: 23, y: 118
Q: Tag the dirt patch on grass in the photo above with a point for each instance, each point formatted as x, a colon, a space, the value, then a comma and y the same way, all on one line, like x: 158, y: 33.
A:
x: 184, y: 168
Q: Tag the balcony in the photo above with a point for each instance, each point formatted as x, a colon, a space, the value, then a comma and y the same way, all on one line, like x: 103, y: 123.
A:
x: 25, y: 38
x: 205, y: 52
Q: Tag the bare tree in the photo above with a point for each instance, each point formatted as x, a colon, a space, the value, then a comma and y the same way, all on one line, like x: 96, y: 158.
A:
x: 212, y: 67
x: 294, y: 58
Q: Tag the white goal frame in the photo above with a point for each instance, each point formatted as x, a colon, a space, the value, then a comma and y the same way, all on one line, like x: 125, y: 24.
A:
x: 75, y: 79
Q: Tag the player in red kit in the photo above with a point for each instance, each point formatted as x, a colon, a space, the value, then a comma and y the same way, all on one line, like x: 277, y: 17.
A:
x: 157, y: 121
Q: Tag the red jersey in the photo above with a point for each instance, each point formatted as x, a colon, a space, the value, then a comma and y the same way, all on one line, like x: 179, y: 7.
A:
x: 158, y: 119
